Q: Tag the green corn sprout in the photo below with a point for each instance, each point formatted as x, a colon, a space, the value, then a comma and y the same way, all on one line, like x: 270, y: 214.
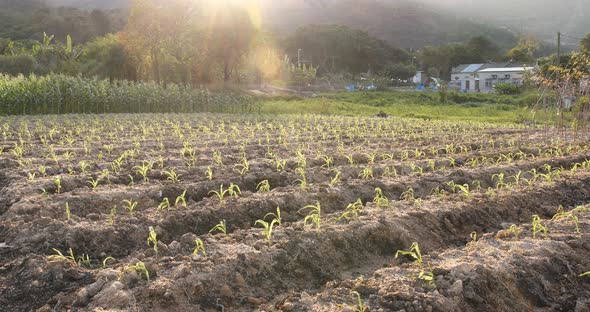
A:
x: 221, y: 227
x: 140, y: 268
x: 104, y: 262
x: 153, y: 240
x: 233, y: 190
x: 336, y: 179
x: 268, y: 227
x: 181, y: 200
x: 130, y: 205
x: 276, y: 216
x: 112, y: 215
x: 408, y: 194
x: 380, y: 200
x: 209, y: 173
x: 60, y: 257
x: 314, y: 215
x: 68, y: 213
x: 199, y: 247
x: 360, y: 306
x: 585, y: 274
x: 414, y: 252
x: 263, y: 186
x: 367, y: 174
x: 94, y: 183
x: 220, y: 195
x: 243, y: 167
x: 515, y: 231
x: 57, y: 182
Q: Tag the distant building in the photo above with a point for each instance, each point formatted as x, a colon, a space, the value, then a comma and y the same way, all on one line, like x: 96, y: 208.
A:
x: 484, y: 77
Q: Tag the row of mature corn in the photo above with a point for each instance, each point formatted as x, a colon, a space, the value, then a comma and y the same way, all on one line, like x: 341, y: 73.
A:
x: 60, y: 94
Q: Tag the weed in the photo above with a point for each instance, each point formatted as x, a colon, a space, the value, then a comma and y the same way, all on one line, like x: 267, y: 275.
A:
x: 263, y: 186
x: 538, y: 226
x: 414, y: 252
x: 380, y: 200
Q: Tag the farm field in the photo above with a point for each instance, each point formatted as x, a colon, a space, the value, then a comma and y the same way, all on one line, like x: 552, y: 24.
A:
x: 215, y: 212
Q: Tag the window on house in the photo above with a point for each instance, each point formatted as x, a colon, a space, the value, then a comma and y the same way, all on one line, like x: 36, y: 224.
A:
x: 495, y: 76
x: 507, y: 76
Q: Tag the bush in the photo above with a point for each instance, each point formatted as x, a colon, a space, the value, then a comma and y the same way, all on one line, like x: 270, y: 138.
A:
x: 17, y: 64
x: 508, y: 89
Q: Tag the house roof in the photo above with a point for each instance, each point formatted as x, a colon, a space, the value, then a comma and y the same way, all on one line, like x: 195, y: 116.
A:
x: 506, y: 70
x: 473, y: 68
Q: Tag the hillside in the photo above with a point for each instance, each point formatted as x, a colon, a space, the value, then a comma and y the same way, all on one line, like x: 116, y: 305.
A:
x: 396, y: 21
x: 402, y: 24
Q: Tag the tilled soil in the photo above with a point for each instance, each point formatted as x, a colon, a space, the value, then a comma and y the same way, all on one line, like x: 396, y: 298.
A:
x: 465, y: 193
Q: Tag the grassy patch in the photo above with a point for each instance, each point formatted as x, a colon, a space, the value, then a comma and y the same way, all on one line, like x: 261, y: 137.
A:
x: 476, y: 107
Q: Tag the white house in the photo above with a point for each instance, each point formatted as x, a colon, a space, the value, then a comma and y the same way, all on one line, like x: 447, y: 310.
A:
x: 484, y: 77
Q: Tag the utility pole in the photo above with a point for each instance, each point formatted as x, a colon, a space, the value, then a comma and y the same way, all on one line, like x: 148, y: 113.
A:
x: 558, y: 48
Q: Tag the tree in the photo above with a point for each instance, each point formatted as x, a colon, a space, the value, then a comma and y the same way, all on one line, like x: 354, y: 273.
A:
x: 525, y: 51
x: 232, y: 33
x: 484, y: 48
x: 105, y: 57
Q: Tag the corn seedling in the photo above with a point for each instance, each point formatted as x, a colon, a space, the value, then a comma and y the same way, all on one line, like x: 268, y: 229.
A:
x: 233, y: 190
x: 130, y: 205
x: 352, y: 210
x: 263, y: 186
x: 94, y: 183
x: 360, y: 306
x: 243, y: 167
x: 68, y: 213
x: 57, y: 182
x: 141, y: 270
x: 335, y: 179
x: 221, y: 227
x: 367, y: 174
x: 153, y: 240
x: 199, y: 247
x: 61, y: 257
x: 380, y: 200
x: 414, y: 253
x: 585, y: 274
x: 181, y: 200
x: 112, y: 214
x: 314, y: 215
x: 538, y: 227
x: 220, y: 195
x: 268, y: 227
x: 515, y: 231
x: 209, y: 173
x: 104, y: 262
x: 276, y: 216
x: 408, y: 194
x: 164, y: 205
x: 171, y: 175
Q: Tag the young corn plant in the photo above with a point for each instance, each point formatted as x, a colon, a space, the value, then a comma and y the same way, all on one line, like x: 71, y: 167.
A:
x: 220, y: 195
x: 268, y: 227
x: 538, y: 227
x: 380, y: 200
x: 243, y: 167
x: 414, y: 253
x: 515, y: 231
x: 367, y: 174
x: 94, y: 182
x: 360, y: 306
x: 164, y: 205
x: 233, y: 190
x: 68, y: 213
x: 276, y: 216
x: 209, y: 173
x: 144, y: 170
x: 130, y: 205
x: 303, y: 181
x: 70, y: 258
x: 352, y: 211
x: 57, y: 182
x: 220, y: 227
x: 140, y: 268
x: 181, y: 200
x: 336, y: 179
x: 171, y: 175
x: 152, y: 240
x: 263, y: 186
x: 199, y: 247
x: 314, y: 215
x: 112, y: 215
